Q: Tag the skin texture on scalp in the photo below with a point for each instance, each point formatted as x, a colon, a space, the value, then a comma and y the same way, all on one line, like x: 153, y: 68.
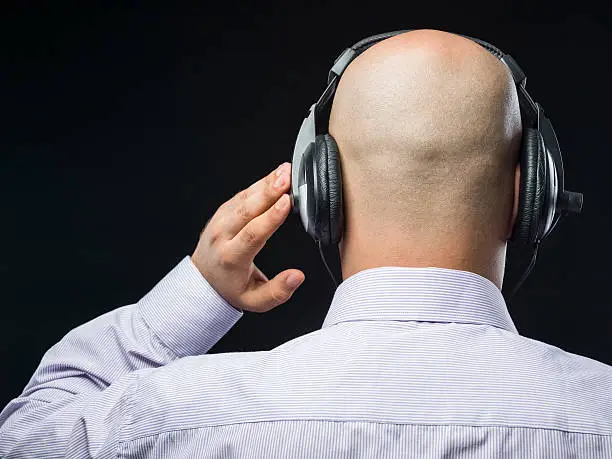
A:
x: 428, y: 128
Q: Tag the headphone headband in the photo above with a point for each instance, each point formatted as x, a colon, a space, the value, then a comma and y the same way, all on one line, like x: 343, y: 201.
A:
x: 532, y: 113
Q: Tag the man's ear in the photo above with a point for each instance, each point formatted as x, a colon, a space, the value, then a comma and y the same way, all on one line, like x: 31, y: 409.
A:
x: 517, y: 181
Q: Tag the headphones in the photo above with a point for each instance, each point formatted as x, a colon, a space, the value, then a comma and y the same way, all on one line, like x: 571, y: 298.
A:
x: 316, y: 175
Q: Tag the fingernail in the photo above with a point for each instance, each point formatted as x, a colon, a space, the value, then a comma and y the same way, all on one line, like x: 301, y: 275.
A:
x: 280, y: 182
x: 279, y: 171
x: 282, y: 202
x: 294, y: 280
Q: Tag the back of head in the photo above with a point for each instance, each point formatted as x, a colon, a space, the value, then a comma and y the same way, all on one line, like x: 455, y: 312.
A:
x: 428, y: 127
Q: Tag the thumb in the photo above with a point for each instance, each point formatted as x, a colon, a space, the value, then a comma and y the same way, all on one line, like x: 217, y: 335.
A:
x: 293, y: 278
x: 275, y: 292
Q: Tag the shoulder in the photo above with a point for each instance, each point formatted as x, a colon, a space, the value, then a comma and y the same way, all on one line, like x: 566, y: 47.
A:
x: 584, y: 384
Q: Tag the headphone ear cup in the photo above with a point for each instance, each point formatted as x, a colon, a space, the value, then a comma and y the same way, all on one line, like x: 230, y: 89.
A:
x: 328, y: 190
x: 334, y: 177
x: 532, y: 191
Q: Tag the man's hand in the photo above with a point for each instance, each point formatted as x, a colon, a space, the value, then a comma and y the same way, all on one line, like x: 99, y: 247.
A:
x: 236, y: 233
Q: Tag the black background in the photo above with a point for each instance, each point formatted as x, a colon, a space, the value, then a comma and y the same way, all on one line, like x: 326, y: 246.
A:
x: 125, y: 127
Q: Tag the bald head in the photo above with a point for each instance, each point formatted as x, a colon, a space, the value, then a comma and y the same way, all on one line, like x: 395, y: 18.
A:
x: 428, y: 128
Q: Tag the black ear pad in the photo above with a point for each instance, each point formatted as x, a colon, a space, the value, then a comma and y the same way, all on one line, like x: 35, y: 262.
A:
x: 543, y: 198
x: 532, y: 188
x: 336, y: 207
x: 328, y: 197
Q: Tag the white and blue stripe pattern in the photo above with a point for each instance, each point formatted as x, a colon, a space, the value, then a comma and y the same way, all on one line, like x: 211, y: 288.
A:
x: 409, y: 363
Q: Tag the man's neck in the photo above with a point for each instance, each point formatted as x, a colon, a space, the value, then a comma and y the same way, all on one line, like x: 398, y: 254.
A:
x: 483, y: 257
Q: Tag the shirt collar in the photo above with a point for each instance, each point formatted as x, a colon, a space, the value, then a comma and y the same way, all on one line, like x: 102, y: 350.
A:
x: 419, y: 294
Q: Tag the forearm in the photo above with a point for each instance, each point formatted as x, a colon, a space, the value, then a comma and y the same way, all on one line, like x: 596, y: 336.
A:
x: 72, y: 384
x: 75, y: 399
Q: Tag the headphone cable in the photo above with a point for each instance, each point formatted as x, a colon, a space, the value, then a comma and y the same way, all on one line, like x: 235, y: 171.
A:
x: 326, y: 265
x: 528, y: 270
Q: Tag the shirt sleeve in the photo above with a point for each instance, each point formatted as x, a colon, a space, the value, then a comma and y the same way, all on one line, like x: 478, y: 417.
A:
x: 75, y: 403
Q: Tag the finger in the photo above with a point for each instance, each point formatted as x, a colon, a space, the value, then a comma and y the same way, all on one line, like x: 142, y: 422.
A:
x: 255, y: 200
x: 270, y: 294
x: 250, y: 240
x: 205, y: 226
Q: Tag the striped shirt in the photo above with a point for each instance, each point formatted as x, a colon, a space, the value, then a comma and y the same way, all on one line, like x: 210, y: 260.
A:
x: 409, y: 362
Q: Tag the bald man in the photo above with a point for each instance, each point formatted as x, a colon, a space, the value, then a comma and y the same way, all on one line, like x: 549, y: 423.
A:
x: 417, y: 357
x: 428, y: 129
